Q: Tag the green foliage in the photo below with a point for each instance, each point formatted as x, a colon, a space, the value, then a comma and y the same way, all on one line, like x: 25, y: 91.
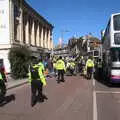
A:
x: 95, y: 42
x: 19, y: 58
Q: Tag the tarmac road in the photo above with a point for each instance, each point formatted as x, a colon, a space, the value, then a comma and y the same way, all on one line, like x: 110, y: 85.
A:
x: 71, y: 100
x: 75, y: 99
x: 107, y: 101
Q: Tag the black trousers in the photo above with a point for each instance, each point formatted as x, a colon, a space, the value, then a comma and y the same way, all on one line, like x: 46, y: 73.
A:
x: 80, y: 67
x: 89, y: 72
x: 99, y: 73
x: 36, y: 90
x: 72, y: 71
x: 2, y: 90
x: 60, y: 75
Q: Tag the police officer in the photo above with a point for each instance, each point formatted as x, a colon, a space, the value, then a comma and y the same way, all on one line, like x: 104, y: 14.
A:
x: 60, y: 66
x: 68, y: 66
x: 37, y: 80
x: 89, y: 67
x: 72, y: 67
x: 2, y: 84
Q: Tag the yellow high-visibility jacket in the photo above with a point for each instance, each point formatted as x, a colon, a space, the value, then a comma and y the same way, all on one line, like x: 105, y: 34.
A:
x: 54, y: 65
x: 72, y: 64
x: 89, y: 63
x: 60, y: 65
x: 1, y: 78
x: 41, y: 65
x: 41, y: 74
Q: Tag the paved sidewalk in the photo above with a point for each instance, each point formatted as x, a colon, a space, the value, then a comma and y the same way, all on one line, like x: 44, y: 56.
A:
x: 12, y: 83
x: 15, y: 83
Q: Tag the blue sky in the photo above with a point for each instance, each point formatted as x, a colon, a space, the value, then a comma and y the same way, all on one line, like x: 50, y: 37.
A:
x: 79, y: 17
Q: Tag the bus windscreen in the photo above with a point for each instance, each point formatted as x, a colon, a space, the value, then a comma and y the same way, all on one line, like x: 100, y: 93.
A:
x: 116, y: 22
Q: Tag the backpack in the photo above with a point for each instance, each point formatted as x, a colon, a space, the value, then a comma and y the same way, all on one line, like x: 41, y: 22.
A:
x: 34, y: 73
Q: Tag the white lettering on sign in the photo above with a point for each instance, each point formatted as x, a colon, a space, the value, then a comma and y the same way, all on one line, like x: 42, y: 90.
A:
x: 4, y: 22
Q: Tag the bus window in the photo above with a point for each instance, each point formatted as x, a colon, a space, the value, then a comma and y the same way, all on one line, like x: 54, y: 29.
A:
x: 115, y: 55
x: 96, y: 53
x: 116, y: 20
x: 117, y: 38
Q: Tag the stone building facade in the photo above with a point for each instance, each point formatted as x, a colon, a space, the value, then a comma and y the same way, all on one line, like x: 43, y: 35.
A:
x: 21, y: 25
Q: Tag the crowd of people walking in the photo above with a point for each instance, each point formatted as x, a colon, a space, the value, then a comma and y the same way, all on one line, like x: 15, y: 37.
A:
x: 58, y: 66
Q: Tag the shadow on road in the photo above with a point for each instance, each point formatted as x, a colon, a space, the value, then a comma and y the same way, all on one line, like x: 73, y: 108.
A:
x: 44, y: 97
x: 7, y: 99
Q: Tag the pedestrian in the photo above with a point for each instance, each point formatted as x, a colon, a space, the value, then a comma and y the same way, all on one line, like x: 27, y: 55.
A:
x: 37, y: 80
x: 80, y: 65
x: 83, y: 64
x: 89, y: 67
x: 2, y: 83
x: 50, y: 65
x: 60, y: 66
x: 68, y: 66
x: 54, y: 68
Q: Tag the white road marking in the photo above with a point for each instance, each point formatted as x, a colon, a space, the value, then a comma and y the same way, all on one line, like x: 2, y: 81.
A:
x: 108, y: 92
x: 95, y: 114
x: 94, y: 106
x: 93, y: 81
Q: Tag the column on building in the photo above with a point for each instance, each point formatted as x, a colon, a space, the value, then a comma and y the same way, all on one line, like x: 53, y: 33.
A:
x: 16, y: 31
x: 24, y: 27
x: 33, y: 34
x: 40, y: 31
x: 51, y: 42
x: 37, y: 35
x: 30, y: 28
x: 21, y: 24
x: 42, y: 36
x: 45, y: 37
x: 27, y: 30
x: 11, y: 22
x: 49, y: 39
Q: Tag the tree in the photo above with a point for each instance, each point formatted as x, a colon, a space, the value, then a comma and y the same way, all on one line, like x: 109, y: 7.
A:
x: 94, y: 42
x: 19, y: 58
